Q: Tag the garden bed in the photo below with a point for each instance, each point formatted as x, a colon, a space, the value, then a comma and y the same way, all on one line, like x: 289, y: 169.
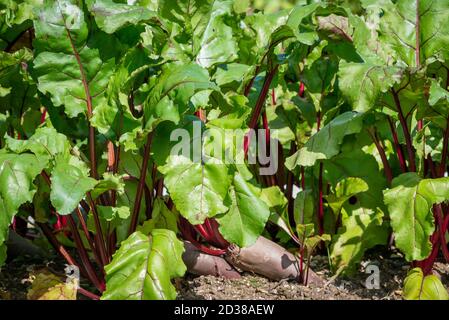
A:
x: 15, y: 275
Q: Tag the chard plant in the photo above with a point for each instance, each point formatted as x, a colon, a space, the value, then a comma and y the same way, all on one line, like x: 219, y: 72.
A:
x: 143, y: 140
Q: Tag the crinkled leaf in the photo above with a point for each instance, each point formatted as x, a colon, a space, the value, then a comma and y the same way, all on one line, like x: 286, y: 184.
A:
x: 198, y: 190
x: 68, y: 66
x: 363, y: 83
x: 169, y: 97
x: 143, y: 267
x: 399, y: 24
x: 45, y: 142
x: 111, y: 16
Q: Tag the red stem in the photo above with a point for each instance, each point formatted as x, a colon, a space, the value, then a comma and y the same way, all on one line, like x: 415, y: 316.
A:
x: 301, y: 90
x: 88, y: 237
x: 250, y: 83
x: 380, y: 149
x: 88, y: 294
x: 442, y: 230
x: 407, y: 136
x: 320, y: 184
x: 84, y: 256
x: 320, y: 200
x: 289, y: 190
x: 44, y: 113
x: 142, y: 178
x: 397, y: 146
x: 188, y: 233
x: 258, y: 107
x: 56, y: 244
x: 93, y: 160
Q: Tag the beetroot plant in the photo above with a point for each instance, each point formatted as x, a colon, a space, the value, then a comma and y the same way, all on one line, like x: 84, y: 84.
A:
x: 145, y: 139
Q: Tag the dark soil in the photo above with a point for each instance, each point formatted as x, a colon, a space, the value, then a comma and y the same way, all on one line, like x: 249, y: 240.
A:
x: 252, y: 287
x: 16, y: 275
x: 15, y: 281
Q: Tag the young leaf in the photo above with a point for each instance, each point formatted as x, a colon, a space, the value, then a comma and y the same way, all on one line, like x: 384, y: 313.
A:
x: 161, y: 218
x: 304, y: 208
x: 109, y: 182
x: 143, y: 267
x: 420, y: 287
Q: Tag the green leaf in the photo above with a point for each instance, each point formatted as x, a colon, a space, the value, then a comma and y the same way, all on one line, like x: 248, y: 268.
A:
x: 17, y: 172
x: 110, y: 16
x: 161, y: 218
x: 274, y: 197
x: 69, y: 185
x: 197, y: 189
x: 359, y: 232
x: 229, y: 73
x: 295, y: 20
x: 143, y: 267
x: 201, y: 30
x: 72, y: 64
x: 410, y: 202
x: 170, y: 95
x: 45, y: 142
x: 344, y: 190
x: 420, y: 287
x: 111, y: 213
x: 304, y: 208
x: 247, y: 215
x: 399, y: 26
x: 2, y: 254
x: 110, y: 218
x: 217, y: 43
x: 109, y: 182
x: 325, y: 144
x: 363, y: 83
x: 18, y: 99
